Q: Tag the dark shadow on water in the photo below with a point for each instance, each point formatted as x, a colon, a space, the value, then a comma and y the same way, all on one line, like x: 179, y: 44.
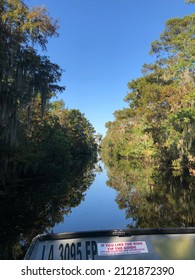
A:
x: 34, y: 206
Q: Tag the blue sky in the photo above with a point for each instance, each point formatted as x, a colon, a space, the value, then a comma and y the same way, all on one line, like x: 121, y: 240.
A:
x: 102, y: 46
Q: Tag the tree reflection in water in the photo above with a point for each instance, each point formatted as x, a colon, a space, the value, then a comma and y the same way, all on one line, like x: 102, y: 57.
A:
x: 152, y: 197
x: 35, y: 206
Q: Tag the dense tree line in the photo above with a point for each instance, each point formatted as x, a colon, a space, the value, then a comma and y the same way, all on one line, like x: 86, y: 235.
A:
x: 159, y: 122
x: 36, y: 135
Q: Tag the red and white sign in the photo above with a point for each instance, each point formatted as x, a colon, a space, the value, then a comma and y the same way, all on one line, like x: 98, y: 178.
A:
x: 122, y: 248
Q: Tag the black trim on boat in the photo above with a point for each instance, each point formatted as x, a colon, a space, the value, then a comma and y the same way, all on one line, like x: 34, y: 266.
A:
x: 124, y: 232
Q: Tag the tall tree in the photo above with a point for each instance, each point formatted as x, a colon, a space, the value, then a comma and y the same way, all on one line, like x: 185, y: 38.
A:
x: 23, y: 73
x: 161, y: 109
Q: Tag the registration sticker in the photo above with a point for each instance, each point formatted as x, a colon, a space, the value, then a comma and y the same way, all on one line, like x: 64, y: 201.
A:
x: 122, y: 248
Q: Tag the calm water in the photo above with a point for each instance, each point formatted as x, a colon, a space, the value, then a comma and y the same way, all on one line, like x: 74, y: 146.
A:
x: 99, y: 209
x: 90, y: 197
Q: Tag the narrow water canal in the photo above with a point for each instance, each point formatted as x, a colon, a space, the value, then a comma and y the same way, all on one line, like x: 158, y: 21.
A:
x: 92, y: 197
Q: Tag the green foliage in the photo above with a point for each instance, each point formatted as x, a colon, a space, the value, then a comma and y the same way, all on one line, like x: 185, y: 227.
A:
x: 190, y: 1
x: 49, y: 144
x: 23, y: 72
x: 37, y: 137
x: 160, y: 120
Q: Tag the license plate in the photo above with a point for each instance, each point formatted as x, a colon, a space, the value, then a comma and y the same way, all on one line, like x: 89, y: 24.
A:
x: 77, y: 250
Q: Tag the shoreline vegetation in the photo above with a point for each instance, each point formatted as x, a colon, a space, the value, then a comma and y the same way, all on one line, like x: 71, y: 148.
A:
x: 38, y: 136
x: 159, y: 123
